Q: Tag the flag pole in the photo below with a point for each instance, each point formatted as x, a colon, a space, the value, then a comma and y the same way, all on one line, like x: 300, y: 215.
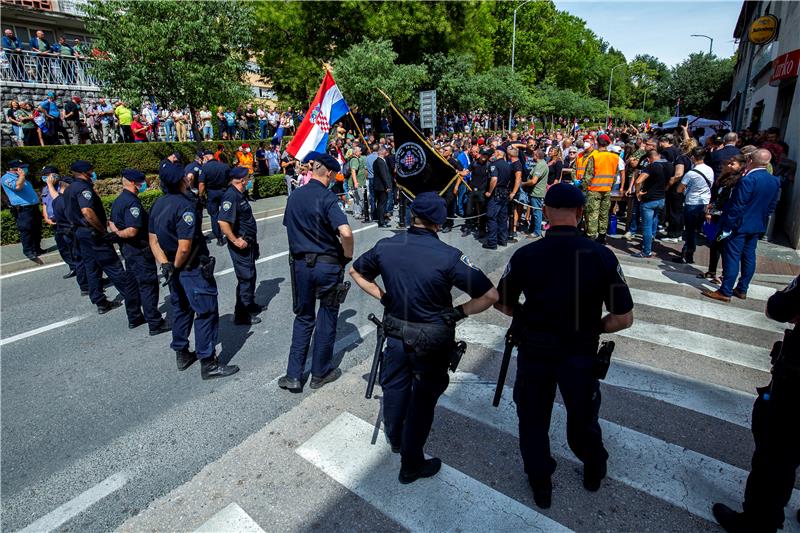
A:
x: 355, y: 123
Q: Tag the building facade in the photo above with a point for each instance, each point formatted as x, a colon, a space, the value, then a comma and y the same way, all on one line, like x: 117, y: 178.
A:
x: 766, y: 94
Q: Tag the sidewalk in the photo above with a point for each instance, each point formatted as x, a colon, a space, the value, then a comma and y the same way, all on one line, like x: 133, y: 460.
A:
x: 13, y: 260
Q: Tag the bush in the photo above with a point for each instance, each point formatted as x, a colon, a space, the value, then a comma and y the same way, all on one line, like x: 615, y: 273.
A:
x: 110, y: 159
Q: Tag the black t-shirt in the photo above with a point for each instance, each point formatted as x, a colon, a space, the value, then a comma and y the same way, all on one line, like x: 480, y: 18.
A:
x: 69, y: 107
x: 517, y: 166
x: 671, y: 153
x: 654, y: 185
x: 456, y: 164
x: 480, y: 175
x: 554, y: 172
x: 289, y: 170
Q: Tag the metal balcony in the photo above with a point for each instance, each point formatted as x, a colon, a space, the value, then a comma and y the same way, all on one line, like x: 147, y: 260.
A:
x: 50, y: 70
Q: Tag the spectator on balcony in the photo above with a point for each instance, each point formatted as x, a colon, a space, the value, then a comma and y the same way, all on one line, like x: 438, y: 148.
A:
x: 72, y: 117
x: 124, y: 117
x: 77, y: 48
x: 13, y: 48
x: 31, y: 134
x: 106, y: 116
x: 45, y: 53
x: 66, y: 64
x: 140, y: 128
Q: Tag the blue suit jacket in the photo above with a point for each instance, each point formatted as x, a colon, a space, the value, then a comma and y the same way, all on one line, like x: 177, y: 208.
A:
x: 752, y: 202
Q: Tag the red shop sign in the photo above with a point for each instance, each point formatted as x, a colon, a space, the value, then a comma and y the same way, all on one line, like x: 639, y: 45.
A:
x: 785, y: 66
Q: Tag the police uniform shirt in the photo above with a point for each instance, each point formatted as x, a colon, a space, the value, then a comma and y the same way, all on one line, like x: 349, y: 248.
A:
x: 418, y: 273
x: 81, y: 195
x: 23, y: 197
x: 480, y: 175
x: 566, y: 278
x: 60, y: 213
x: 195, y: 168
x: 236, y: 211
x: 177, y: 217
x: 501, y: 170
x: 784, y: 305
x: 215, y: 174
x: 312, y: 218
x: 127, y: 212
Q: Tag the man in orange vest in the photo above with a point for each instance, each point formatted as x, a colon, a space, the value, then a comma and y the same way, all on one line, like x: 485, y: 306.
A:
x: 598, y: 179
x: 245, y: 159
x: 583, y: 158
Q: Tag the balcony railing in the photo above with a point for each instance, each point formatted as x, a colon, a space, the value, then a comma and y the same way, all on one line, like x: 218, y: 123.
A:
x: 45, y: 69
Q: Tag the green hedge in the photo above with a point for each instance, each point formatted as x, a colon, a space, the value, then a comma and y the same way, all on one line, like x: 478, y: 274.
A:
x: 110, y: 159
x: 264, y: 187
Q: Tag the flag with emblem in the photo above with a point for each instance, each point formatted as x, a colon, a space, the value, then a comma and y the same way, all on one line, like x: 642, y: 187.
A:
x: 327, y: 108
x: 419, y: 167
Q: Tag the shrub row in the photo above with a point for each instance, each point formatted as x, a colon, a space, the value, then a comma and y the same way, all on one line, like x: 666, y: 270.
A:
x: 110, y: 159
x: 263, y: 187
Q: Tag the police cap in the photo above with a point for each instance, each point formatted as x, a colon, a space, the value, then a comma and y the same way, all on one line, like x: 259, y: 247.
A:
x: 564, y: 195
x: 238, y: 173
x: 133, y: 175
x: 430, y: 206
x: 323, y: 159
x: 170, y: 174
x: 16, y: 163
x: 81, y: 166
x: 49, y: 169
x: 486, y: 150
x: 203, y: 153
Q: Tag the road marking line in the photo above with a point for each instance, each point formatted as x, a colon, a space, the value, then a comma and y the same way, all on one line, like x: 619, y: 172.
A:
x: 706, y: 309
x: 43, y: 329
x: 449, y: 501
x: 696, y: 395
x: 77, y: 505
x: 231, y: 518
x: 755, y: 292
x: 677, y: 475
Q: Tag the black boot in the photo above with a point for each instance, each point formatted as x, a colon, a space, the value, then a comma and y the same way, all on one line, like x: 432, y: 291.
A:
x: 601, y: 239
x: 730, y: 520
x: 210, y: 368
x: 162, y: 327
x: 185, y: 359
x: 105, y: 306
x: 592, y: 476
x: 542, y: 492
x: 429, y: 468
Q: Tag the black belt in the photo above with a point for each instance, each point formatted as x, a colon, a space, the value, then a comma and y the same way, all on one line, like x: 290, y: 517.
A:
x: 19, y: 208
x: 319, y: 258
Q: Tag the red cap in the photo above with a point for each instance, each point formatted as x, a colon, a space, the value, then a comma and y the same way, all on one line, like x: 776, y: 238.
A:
x: 481, y: 142
x: 245, y: 145
x: 604, y: 137
x: 588, y: 138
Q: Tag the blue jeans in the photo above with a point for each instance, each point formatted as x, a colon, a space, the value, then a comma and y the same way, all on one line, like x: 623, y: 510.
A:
x: 208, y: 132
x: 262, y: 129
x: 693, y: 216
x: 650, y: 212
x: 373, y: 215
x: 169, y: 130
x: 536, y: 211
x: 635, y: 212
x: 462, y: 192
x: 739, y: 248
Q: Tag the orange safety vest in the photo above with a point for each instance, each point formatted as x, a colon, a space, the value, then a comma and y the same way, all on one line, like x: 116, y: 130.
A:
x: 580, y: 165
x: 246, y: 161
x: 605, y: 170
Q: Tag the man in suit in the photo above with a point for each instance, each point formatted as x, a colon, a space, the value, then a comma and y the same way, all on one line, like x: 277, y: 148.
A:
x: 382, y: 185
x: 717, y: 158
x: 743, y: 222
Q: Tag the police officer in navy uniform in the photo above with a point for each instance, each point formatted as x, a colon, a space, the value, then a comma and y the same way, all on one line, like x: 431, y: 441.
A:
x: 178, y: 244
x: 320, y: 245
x: 238, y: 224
x: 418, y: 272
x: 776, y: 457
x: 212, y: 182
x: 476, y: 198
x: 85, y: 211
x: 62, y: 232
x: 556, y: 332
x: 500, y: 182
x: 129, y: 223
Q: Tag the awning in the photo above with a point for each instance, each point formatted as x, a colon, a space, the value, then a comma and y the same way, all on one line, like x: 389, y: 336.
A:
x: 784, y: 67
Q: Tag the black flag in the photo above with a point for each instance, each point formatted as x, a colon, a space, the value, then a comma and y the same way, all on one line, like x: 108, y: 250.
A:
x: 419, y: 167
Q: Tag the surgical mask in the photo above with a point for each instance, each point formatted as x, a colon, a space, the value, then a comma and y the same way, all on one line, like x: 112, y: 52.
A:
x: 143, y: 186
x: 248, y: 150
x: 249, y: 185
x: 94, y: 176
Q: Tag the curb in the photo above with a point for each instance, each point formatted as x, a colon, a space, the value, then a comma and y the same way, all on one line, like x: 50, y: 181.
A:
x: 54, y: 258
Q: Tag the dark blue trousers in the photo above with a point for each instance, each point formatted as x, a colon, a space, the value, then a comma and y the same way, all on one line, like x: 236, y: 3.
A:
x: 739, y: 248
x: 244, y: 266
x: 141, y: 263
x: 106, y: 260
x: 312, y: 282
x: 80, y: 263
x: 64, y: 239
x: 214, y: 197
x: 497, y: 220
x: 29, y: 225
x: 193, y: 301
x: 411, y: 387
x: 534, y: 393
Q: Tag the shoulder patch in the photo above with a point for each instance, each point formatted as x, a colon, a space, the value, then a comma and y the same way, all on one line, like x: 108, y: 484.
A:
x: 87, y: 195
x: 507, y: 270
x: 466, y: 261
x: 226, y: 205
x: 492, y: 168
x: 135, y: 212
x: 621, y: 275
x: 791, y: 286
x: 188, y: 218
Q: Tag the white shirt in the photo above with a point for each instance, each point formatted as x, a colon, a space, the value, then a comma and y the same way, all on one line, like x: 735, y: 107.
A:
x: 698, y: 188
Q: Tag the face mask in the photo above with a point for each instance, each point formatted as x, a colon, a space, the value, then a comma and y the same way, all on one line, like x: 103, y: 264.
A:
x: 249, y: 185
x: 248, y: 150
x: 94, y: 176
x: 143, y: 186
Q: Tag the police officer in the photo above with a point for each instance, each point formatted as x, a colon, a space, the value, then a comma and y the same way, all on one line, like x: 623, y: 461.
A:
x: 212, y: 182
x: 129, y: 224
x: 777, y: 441
x: 62, y: 232
x: 320, y: 244
x: 177, y: 242
x: 24, y: 208
x: 418, y: 273
x: 500, y: 182
x: 85, y: 211
x: 476, y: 200
x: 238, y: 224
x: 556, y: 332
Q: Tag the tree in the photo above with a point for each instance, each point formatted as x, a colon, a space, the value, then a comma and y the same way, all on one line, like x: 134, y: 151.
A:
x: 646, y: 72
x: 502, y: 89
x: 701, y: 82
x: 453, y: 78
x: 180, y: 53
x: 372, y: 64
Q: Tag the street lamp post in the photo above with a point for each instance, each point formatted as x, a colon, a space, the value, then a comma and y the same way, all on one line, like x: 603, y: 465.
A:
x: 710, y: 41
x: 610, y: 78
x: 513, y: 51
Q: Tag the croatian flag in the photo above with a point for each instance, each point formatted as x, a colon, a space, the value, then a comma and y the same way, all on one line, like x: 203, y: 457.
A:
x: 326, y: 109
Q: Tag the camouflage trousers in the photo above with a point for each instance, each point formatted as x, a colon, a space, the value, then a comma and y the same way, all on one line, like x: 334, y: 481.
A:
x: 598, y: 206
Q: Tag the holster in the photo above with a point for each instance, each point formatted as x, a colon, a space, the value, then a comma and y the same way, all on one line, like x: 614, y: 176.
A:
x: 336, y: 296
x: 458, y: 352
x: 207, y: 265
x: 603, y: 361
x: 293, y: 279
x: 425, y: 340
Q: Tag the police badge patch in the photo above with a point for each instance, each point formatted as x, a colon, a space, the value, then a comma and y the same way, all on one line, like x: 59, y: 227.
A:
x: 409, y: 159
x: 466, y: 261
x: 135, y: 212
x: 621, y: 275
x: 226, y: 206
x: 87, y: 195
x: 188, y: 218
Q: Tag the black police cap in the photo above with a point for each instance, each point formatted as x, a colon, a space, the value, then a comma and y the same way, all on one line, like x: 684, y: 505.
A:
x: 16, y: 163
x: 202, y: 153
x: 323, y: 159
x: 431, y: 207
x: 81, y: 166
x: 486, y: 150
x: 564, y: 195
x: 49, y: 169
x: 238, y: 173
x: 133, y: 175
x: 170, y: 174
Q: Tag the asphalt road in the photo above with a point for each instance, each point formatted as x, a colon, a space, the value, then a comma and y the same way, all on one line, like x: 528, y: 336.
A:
x: 91, y: 400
